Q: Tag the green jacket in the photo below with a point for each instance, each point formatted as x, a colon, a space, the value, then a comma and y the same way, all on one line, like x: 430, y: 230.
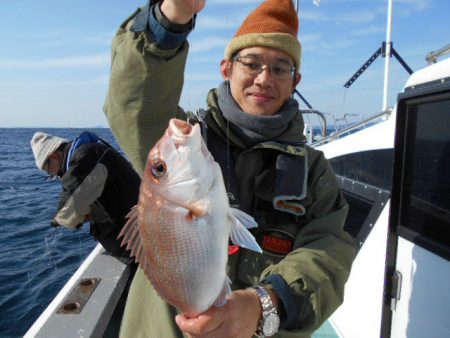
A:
x: 144, y: 92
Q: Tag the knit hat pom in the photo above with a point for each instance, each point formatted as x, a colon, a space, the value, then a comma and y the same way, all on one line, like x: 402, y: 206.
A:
x: 43, y: 145
x: 273, y: 24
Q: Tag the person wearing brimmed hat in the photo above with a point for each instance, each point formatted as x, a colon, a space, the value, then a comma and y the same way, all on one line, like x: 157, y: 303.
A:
x: 253, y: 128
x: 99, y: 186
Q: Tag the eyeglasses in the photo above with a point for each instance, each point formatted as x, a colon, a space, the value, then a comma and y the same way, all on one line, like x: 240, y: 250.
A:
x: 253, y: 66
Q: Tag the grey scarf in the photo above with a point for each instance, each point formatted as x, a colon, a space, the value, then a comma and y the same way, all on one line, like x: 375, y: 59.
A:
x: 255, y: 128
x: 291, y: 171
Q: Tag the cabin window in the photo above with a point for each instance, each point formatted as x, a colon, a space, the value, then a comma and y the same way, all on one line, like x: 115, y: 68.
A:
x: 366, y: 203
x: 425, y: 193
x: 372, y: 167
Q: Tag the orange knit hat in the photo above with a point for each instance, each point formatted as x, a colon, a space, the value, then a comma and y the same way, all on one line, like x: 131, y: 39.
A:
x: 273, y: 24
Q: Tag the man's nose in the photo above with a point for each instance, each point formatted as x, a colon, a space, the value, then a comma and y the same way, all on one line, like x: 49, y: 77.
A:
x: 264, y: 76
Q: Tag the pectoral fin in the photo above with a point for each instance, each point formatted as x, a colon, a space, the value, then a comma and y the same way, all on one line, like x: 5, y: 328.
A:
x: 240, y: 222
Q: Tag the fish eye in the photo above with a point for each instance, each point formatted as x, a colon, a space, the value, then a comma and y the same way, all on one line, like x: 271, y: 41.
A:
x: 158, y: 169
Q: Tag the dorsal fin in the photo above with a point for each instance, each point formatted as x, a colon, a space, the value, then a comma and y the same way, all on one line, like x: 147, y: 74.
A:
x: 132, y: 240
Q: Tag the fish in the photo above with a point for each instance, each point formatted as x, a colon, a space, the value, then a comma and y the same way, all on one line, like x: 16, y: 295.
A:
x: 180, y: 229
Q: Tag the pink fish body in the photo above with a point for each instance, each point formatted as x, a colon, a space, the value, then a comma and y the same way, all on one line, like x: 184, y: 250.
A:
x: 180, y: 228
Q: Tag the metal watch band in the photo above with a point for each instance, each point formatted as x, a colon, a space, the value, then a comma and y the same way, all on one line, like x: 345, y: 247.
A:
x: 268, y: 310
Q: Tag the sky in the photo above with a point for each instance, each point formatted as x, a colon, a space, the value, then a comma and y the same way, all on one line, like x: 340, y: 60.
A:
x: 55, y: 54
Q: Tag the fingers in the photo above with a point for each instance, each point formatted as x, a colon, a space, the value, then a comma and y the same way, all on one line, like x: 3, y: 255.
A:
x: 237, y: 318
x: 205, y: 323
x: 54, y: 223
x: 181, y: 11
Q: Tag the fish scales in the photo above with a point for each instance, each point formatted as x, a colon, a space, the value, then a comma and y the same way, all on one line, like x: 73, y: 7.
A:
x: 189, y: 249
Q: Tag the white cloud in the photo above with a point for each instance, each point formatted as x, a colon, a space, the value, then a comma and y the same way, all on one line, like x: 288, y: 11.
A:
x: 69, y: 37
x: 33, y: 84
x: 212, y: 22
x: 203, y: 59
x: 81, y: 61
x: 350, y: 16
x: 194, y: 76
x: 369, y: 30
x: 312, y: 16
x: 310, y: 38
x: 361, y: 16
x: 416, y: 5
x: 201, y: 45
x: 99, y: 39
x: 327, y: 46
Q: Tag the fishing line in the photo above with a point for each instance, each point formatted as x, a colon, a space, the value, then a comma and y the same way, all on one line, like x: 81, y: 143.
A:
x: 191, y: 42
x: 343, y: 102
x: 79, y: 242
x: 228, y: 138
x: 50, y: 240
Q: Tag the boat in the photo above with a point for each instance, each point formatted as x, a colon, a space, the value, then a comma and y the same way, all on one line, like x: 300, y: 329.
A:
x: 394, y: 176
x: 393, y: 170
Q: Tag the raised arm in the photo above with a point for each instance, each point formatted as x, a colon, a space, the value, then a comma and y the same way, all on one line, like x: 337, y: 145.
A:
x: 149, y: 54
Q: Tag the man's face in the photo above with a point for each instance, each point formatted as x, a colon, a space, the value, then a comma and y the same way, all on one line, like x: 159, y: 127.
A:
x: 260, y: 93
x: 52, y: 164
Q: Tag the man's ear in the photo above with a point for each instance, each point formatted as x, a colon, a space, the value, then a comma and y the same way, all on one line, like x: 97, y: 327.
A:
x: 296, y: 80
x: 225, y: 69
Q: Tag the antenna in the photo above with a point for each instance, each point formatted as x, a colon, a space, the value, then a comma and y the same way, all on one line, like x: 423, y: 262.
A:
x: 387, y: 58
x: 386, y: 50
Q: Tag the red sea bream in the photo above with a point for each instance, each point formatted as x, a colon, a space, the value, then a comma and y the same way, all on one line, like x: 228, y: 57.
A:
x: 180, y: 228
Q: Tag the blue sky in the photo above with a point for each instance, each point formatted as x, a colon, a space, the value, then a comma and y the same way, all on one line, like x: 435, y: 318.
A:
x: 55, y: 54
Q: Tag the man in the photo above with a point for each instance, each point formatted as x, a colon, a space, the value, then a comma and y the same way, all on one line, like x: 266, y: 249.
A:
x: 99, y: 185
x: 253, y: 128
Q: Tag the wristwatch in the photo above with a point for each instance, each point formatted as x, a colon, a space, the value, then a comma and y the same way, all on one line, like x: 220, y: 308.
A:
x: 270, y: 321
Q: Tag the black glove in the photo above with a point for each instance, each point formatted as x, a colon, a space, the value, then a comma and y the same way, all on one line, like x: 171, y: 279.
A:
x: 54, y: 224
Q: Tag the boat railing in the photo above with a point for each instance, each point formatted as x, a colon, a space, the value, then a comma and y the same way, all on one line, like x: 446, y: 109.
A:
x: 434, y: 55
x: 323, y: 138
x: 309, y: 125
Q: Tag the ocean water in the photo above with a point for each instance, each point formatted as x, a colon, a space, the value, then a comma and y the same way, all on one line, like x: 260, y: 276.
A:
x: 36, y: 260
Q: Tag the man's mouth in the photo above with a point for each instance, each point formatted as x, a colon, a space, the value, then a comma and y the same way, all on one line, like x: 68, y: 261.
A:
x: 261, y: 97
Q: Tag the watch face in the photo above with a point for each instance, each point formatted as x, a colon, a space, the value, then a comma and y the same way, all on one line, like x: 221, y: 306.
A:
x: 271, y: 324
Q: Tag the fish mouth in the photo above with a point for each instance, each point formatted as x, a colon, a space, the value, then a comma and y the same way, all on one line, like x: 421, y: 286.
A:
x: 179, y: 129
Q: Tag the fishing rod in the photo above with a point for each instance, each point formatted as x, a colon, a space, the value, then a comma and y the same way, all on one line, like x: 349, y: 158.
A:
x: 297, y: 8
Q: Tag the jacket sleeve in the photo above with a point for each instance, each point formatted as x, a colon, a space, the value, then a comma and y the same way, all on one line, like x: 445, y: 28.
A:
x: 317, y: 269
x: 144, y: 90
x: 81, y: 188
